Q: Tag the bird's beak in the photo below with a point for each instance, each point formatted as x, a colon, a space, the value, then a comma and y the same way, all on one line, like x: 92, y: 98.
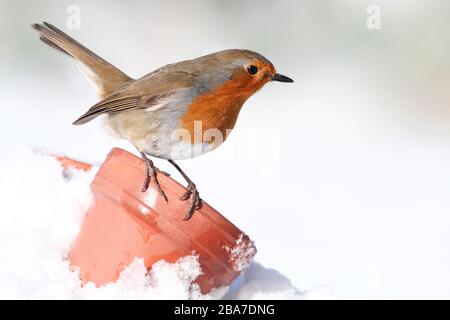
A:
x: 281, y: 78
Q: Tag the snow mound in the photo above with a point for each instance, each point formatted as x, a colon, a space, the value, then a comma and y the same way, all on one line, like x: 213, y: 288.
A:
x: 41, y: 211
x: 163, y: 281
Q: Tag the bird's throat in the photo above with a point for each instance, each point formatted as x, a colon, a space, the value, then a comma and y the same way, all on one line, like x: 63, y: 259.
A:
x: 216, y: 112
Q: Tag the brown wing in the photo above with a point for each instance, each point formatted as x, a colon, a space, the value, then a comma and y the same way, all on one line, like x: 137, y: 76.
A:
x: 149, y: 90
x: 112, y: 105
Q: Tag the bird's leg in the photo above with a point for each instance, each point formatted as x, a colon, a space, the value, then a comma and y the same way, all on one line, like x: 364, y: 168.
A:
x: 196, y: 201
x: 151, y: 172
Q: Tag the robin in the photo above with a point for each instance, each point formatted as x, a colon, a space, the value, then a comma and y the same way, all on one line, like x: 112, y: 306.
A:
x: 178, y: 111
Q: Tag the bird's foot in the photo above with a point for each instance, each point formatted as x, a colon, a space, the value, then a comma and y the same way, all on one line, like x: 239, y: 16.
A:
x: 151, y: 172
x: 191, y: 192
x: 196, y: 201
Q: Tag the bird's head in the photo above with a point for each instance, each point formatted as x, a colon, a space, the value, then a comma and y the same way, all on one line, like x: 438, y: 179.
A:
x: 242, y: 71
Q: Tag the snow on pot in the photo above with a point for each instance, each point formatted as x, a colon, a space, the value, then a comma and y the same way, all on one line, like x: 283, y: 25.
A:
x: 123, y: 224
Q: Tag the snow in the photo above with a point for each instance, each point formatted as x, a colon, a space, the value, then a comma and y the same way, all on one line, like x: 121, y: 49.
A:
x: 241, y: 253
x: 164, y: 281
x: 41, y: 211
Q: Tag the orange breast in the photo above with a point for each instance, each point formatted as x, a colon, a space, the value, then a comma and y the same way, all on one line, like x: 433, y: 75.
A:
x: 217, y: 109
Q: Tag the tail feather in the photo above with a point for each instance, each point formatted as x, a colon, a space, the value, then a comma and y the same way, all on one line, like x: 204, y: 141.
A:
x: 104, y: 76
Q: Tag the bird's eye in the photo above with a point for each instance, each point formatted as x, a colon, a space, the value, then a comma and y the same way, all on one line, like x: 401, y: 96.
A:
x: 252, y: 70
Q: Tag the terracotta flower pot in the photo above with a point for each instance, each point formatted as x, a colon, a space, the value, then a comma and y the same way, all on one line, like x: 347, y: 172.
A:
x: 124, y: 223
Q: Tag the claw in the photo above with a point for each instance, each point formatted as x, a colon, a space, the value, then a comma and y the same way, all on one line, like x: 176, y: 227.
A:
x: 199, y: 204
x: 191, y: 192
x: 186, y: 195
x: 191, y: 208
x: 196, y: 201
x: 151, y: 172
x: 146, y: 183
x: 189, y: 214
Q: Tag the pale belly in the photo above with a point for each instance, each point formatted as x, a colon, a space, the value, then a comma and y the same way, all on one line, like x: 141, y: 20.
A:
x: 179, y: 150
x: 162, y: 137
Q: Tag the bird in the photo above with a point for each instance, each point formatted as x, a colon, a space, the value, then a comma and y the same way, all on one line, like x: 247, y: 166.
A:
x: 176, y: 112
